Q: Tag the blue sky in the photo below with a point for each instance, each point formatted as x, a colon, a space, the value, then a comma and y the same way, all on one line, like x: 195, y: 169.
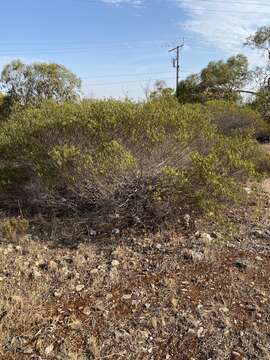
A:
x: 120, y: 47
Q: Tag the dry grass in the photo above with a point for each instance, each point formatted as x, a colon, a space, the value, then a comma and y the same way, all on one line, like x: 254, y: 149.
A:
x: 164, y: 296
x: 266, y: 148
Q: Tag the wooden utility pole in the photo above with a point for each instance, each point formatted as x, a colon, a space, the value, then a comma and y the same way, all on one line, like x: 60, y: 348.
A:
x: 177, y: 66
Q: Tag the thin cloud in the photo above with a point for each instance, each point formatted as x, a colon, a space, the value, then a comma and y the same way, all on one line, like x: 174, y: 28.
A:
x: 136, y: 3
x: 225, y: 25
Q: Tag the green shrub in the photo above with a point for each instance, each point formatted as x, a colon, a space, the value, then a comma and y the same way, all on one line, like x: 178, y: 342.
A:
x: 231, y: 118
x: 262, y: 156
x: 10, y: 175
x: 99, y: 151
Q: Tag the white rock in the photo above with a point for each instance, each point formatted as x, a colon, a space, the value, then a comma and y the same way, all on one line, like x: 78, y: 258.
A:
x: 79, y: 287
x: 126, y: 297
x: 36, y: 274
x: 86, y: 311
x: 57, y: 293
x: 225, y: 309
x: 115, y: 263
x: 94, y: 271
x: 137, y: 219
x: 200, y: 332
x: 49, y: 349
x: 204, y: 237
x: 187, y: 219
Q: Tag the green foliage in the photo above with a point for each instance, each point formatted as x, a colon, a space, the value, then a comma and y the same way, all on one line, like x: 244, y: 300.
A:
x: 231, y: 118
x: 4, y: 107
x: 261, y: 104
x: 210, y: 180
x: 160, y: 90
x: 261, y: 75
x: 261, y: 39
x: 2, y: 99
x: 30, y: 84
x: 10, y: 175
x: 97, y: 150
x: 219, y: 80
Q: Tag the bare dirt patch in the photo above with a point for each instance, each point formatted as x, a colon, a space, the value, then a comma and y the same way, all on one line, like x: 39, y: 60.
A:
x: 163, y: 296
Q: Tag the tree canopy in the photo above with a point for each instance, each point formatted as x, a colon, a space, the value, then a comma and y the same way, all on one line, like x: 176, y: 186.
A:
x: 27, y: 84
x: 260, y: 40
x: 160, y: 89
x: 219, y: 80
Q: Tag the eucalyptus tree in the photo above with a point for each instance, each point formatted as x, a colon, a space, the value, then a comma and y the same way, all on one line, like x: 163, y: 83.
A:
x: 218, y: 80
x: 29, y: 84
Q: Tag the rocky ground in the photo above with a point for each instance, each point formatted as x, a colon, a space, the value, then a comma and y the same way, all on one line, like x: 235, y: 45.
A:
x: 171, y: 295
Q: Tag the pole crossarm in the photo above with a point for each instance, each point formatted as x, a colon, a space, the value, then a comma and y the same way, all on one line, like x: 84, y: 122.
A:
x: 177, y: 49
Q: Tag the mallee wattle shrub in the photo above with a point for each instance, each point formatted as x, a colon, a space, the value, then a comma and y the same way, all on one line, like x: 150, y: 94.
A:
x: 98, y: 151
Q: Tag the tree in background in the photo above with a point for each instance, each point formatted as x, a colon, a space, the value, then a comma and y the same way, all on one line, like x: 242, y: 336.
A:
x: 160, y: 89
x: 28, y: 84
x: 219, y: 80
x: 261, y: 41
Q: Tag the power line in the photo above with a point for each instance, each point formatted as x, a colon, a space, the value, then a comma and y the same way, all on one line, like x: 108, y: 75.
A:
x: 93, y: 45
x: 100, y: 43
x: 136, y: 74
x: 52, y: 51
x: 124, y: 82
x: 119, y: 45
x: 57, y: 49
x: 123, y: 75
